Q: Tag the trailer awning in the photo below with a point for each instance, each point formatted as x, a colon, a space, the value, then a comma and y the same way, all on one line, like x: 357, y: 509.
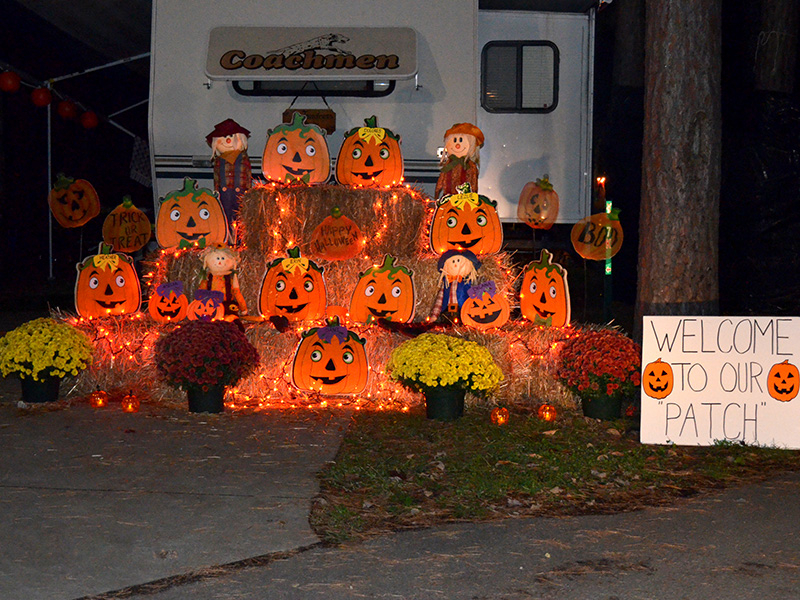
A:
x: 311, y: 53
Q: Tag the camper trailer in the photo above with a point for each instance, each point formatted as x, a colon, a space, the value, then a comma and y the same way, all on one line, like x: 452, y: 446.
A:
x: 524, y: 76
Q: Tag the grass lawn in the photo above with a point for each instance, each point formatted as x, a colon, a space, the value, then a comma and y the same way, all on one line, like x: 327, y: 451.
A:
x: 401, y: 470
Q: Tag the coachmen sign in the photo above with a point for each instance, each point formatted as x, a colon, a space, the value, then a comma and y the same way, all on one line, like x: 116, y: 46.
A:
x: 286, y: 53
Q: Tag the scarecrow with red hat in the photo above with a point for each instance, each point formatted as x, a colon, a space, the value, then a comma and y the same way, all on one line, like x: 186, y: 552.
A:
x: 232, y: 171
x: 460, y: 159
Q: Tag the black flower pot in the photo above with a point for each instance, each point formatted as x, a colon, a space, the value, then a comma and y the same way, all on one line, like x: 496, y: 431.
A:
x: 206, y: 401
x: 444, y: 403
x: 43, y: 390
x: 607, y: 408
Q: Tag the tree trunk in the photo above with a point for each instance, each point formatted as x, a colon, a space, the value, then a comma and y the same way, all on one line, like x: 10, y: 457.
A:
x: 679, y: 223
x: 776, y: 50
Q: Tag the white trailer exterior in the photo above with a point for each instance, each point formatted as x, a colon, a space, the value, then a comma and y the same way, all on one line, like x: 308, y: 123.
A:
x: 448, y: 87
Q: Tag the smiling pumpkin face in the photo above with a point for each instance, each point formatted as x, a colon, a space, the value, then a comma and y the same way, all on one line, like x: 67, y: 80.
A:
x: 168, y: 303
x: 466, y: 221
x: 783, y: 381
x: 293, y: 287
x: 370, y: 156
x: 544, y: 297
x: 384, y: 292
x: 296, y: 152
x: 485, y: 307
x: 658, y: 379
x: 107, y: 285
x: 190, y: 217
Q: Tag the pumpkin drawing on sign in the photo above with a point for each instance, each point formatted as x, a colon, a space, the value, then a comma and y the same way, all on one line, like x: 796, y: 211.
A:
x: 783, y: 381
x: 484, y: 307
x: 598, y: 236
x: 544, y: 297
x: 331, y: 360
x: 657, y: 379
x: 466, y: 221
x: 126, y: 228
x: 293, y: 287
x: 336, y: 238
x: 168, y: 303
x: 107, y: 285
x: 384, y: 291
x: 189, y: 217
x: 296, y: 152
x: 370, y: 156
x: 538, y: 204
x: 73, y: 202
x: 206, y: 306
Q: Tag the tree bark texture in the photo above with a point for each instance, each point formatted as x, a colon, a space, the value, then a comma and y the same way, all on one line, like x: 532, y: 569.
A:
x: 776, y: 49
x: 681, y: 161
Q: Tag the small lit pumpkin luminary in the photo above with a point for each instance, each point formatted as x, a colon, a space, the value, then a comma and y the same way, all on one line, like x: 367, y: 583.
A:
x: 189, y: 217
x: 296, y: 152
x: 466, y: 221
x: 544, y: 296
x: 370, y: 156
x: 331, y: 360
x: 499, y: 415
x: 130, y: 403
x: 485, y: 307
x: 73, y: 202
x: 107, y: 285
x: 384, y: 292
x: 168, y: 303
x: 783, y: 381
x: 294, y: 288
x: 547, y: 412
x: 98, y: 398
x: 658, y: 379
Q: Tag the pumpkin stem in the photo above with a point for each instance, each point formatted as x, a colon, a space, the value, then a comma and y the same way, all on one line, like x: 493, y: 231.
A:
x: 371, y: 121
x: 63, y: 182
x: 544, y: 183
x: 335, y: 212
x: 388, y: 261
x: 614, y: 214
x: 127, y: 201
x: 294, y: 252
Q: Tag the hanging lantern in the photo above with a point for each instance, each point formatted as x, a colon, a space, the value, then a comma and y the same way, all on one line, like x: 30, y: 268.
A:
x: 547, y: 412
x: 41, y: 97
x: 9, y: 82
x: 89, y: 120
x: 499, y: 415
x: 130, y: 403
x: 98, y: 398
x: 67, y: 109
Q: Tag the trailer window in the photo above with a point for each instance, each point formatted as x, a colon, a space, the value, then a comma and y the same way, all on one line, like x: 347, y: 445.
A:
x: 519, y: 76
x: 364, y: 89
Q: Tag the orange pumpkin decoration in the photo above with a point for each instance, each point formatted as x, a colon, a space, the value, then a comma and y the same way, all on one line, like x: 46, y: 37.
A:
x: 294, y: 288
x: 296, y: 152
x: 657, y: 379
x: 598, y: 236
x: 466, y: 221
x: 484, y: 307
x: 206, y: 306
x: 544, y: 297
x: 189, y: 217
x: 168, y: 303
x: 130, y: 403
x: 73, y: 202
x: 499, y: 415
x: 98, y: 398
x: 107, y: 285
x: 547, y: 412
x: 336, y: 238
x: 384, y: 292
x: 370, y: 156
x: 538, y: 204
x: 331, y: 360
x: 126, y: 228
x: 783, y: 381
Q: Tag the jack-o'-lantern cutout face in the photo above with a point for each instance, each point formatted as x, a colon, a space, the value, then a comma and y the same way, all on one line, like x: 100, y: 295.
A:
x: 484, y: 307
x: 73, y: 202
x: 168, y: 303
x: 296, y: 152
x: 544, y: 297
x: 466, y: 221
x: 657, y: 379
x: 191, y: 217
x: 370, y: 156
x: 331, y: 360
x: 538, y: 204
x: 107, y: 285
x: 384, y: 292
x: 783, y: 381
x: 293, y: 287
x: 206, y: 306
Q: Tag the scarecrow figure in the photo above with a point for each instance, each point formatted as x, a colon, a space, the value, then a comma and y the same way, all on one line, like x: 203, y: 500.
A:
x: 219, y: 270
x: 460, y: 159
x: 232, y: 172
x: 458, y: 270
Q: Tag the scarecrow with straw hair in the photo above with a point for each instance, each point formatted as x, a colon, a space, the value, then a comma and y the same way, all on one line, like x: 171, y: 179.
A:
x: 232, y: 171
x: 460, y: 160
x: 458, y: 272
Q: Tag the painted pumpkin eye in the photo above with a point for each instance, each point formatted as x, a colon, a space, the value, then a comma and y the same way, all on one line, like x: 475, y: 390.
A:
x: 175, y: 214
x: 348, y: 357
x: 533, y: 287
x: 384, y: 153
x: 280, y: 286
x: 481, y: 220
x: 356, y: 153
x: 310, y: 150
x: 316, y: 356
x: 308, y: 286
x: 94, y: 282
x: 553, y: 291
x: 452, y: 222
x: 120, y: 281
x: 204, y: 214
x: 282, y: 148
x: 370, y: 290
x: 396, y: 291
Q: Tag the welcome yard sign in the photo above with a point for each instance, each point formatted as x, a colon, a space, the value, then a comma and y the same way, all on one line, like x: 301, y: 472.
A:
x: 711, y: 379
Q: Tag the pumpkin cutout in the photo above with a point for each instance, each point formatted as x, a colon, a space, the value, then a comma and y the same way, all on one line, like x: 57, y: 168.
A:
x: 206, y: 306
x: 783, y: 381
x: 126, y: 228
x: 336, y: 238
x: 294, y: 288
x: 599, y: 236
x: 190, y: 217
x: 484, y: 307
x: 538, y: 204
x: 544, y: 297
x: 370, y: 156
x: 331, y: 360
x: 107, y: 285
x: 73, y: 202
x: 168, y: 303
x: 384, y: 292
x: 466, y: 221
x: 296, y: 152
x: 657, y: 379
